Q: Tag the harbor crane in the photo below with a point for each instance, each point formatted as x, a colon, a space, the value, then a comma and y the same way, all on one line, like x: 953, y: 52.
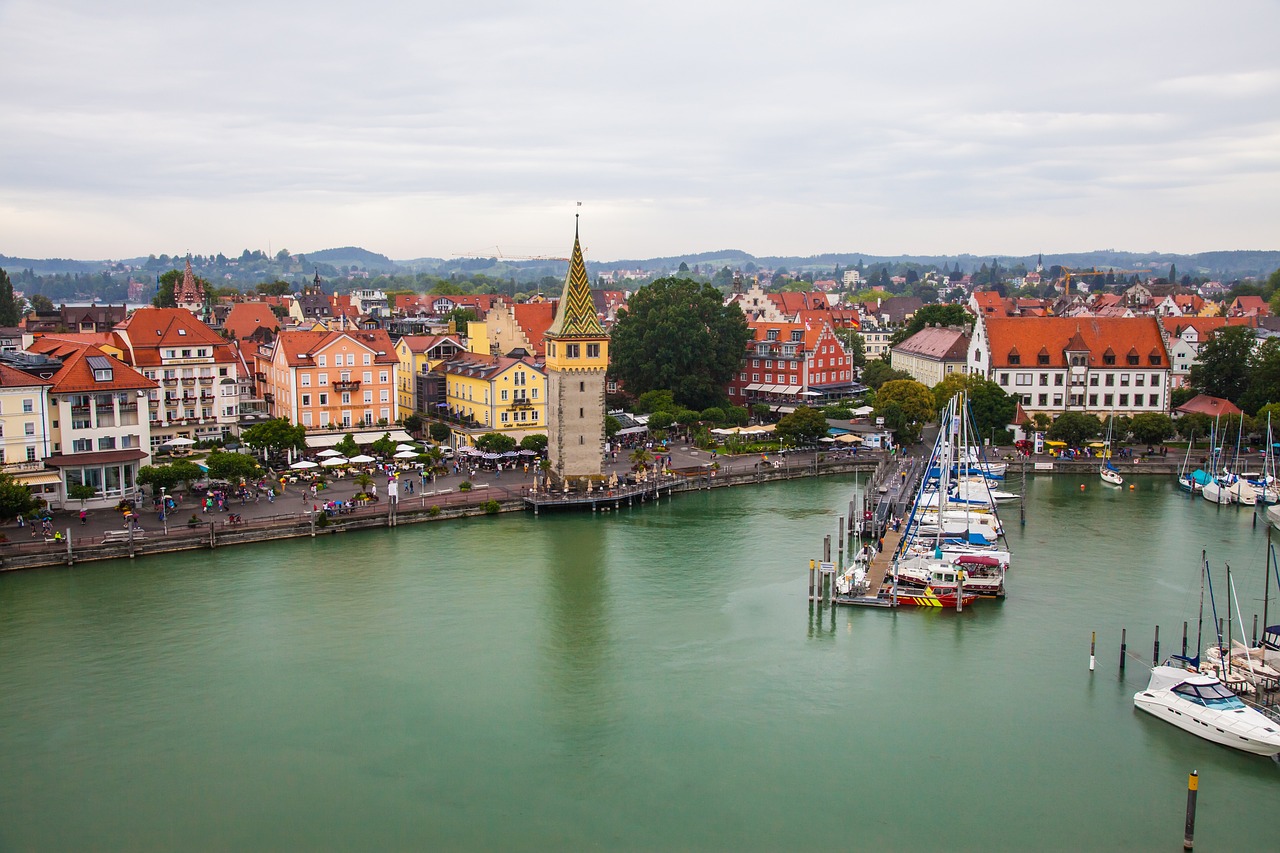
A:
x: 1089, y: 273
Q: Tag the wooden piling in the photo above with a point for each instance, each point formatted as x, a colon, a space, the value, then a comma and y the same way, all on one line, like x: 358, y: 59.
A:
x: 1093, y: 643
x: 1124, y: 647
x: 1193, y: 787
x: 813, y: 566
x: 1155, y: 652
x: 1184, y: 639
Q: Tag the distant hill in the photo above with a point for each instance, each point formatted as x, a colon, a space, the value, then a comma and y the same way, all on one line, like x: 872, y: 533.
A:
x: 51, y: 266
x: 353, y: 256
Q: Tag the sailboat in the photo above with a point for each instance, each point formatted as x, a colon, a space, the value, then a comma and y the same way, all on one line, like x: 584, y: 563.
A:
x: 1213, y: 491
x: 1108, y: 472
x: 1192, y: 481
x: 1198, y: 702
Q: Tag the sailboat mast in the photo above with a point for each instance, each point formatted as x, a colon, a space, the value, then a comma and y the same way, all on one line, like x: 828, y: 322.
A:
x: 1266, y: 589
x: 1204, y: 570
x: 1226, y: 650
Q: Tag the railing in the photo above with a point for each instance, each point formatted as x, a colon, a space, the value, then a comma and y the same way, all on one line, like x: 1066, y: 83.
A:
x: 269, y: 397
x: 346, y: 385
x: 189, y: 383
x: 13, y: 467
x: 206, y: 380
x: 128, y: 407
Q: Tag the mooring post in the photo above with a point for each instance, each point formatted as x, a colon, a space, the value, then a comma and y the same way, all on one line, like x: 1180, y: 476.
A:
x: 1254, y: 641
x: 1093, y: 644
x: 813, y: 565
x: 70, y: 557
x: 960, y: 593
x: 1184, y: 639
x: 1123, y: 649
x: 1193, y: 786
x: 826, y: 549
x: 313, y: 525
x: 1155, y: 652
x: 841, y: 529
x: 130, y: 540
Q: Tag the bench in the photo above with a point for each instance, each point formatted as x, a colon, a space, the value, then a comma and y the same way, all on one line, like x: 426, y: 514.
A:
x: 118, y: 535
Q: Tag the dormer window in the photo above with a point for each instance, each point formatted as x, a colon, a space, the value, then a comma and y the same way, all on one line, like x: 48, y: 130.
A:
x: 1042, y: 357
x: 1109, y: 357
x: 796, y: 336
x: 182, y: 332
x: 1014, y: 357
x: 101, y: 367
x: 771, y: 334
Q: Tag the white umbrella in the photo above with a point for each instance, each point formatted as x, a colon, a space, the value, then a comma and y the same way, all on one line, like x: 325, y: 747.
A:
x: 180, y: 442
x: 363, y: 457
x: 329, y: 452
x: 492, y: 456
x: 405, y: 447
x: 527, y: 452
x: 334, y: 461
x: 827, y: 439
x: 303, y: 464
x: 406, y: 454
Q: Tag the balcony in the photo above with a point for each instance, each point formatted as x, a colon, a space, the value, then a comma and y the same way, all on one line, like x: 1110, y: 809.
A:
x: 346, y: 385
x: 16, y: 467
x: 269, y: 397
x: 128, y: 407
x: 170, y: 381
x: 206, y: 380
x: 260, y: 376
x: 189, y: 383
x: 79, y: 410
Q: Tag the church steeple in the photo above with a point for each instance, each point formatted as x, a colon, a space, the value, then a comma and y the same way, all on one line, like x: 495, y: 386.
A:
x: 576, y: 314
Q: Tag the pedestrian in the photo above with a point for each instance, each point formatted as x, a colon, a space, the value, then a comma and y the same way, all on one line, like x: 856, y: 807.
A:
x: 373, y: 489
x: 22, y: 522
x: 84, y: 518
x: 271, y: 495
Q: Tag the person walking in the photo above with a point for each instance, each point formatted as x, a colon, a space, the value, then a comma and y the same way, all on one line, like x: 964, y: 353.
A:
x: 84, y: 518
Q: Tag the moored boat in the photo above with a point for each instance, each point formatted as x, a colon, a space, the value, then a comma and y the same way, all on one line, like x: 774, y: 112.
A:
x: 1201, y: 704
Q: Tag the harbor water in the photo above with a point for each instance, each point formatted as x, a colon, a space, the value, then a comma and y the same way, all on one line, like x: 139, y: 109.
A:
x: 647, y: 679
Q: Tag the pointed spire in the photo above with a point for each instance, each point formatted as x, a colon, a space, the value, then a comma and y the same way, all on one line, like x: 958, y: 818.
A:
x: 576, y: 314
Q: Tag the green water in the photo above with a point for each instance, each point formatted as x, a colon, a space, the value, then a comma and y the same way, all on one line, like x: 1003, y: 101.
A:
x: 651, y: 679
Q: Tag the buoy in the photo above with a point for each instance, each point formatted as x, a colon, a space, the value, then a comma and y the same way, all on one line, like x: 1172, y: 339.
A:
x: 1082, y: 487
x: 1131, y: 487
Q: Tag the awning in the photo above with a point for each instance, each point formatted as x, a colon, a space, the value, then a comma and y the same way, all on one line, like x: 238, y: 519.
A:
x: 38, y: 478
x: 362, y: 437
x: 755, y: 386
x: 791, y: 389
x: 101, y: 457
x: 631, y: 430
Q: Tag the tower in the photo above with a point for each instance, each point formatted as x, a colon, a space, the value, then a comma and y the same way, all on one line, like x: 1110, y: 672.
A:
x: 576, y: 361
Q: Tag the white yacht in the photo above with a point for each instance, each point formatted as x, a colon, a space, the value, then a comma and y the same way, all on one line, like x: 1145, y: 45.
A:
x: 1202, y: 705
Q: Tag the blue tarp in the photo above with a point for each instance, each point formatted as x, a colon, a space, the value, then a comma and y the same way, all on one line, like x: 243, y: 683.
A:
x: 1200, y: 477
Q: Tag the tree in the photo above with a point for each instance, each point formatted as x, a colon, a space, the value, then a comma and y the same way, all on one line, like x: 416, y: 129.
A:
x: 40, y: 302
x: 1178, y: 396
x: 1075, y: 428
x: 661, y: 420
x: 1196, y: 423
x: 640, y: 459
x: 10, y: 306
x: 496, y: 442
x: 1151, y: 427
x: 363, y: 481
x: 384, y: 446
x: 905, y: 405
x: 761, y: 411
x: 16, y: 498
x: 611, y: 427
x: 1222, y: 369
x: 413, y: 423
x: 231, y: 466
x: 803, y: 426
x: 274, y: 288
x: 82, y: 493
x: 736, y: 415
x: 460, y: 317
x: 537, y: 442
x: 1264, y: 376
x: 990, y: 406
x: 347, y: 446
x: 950, y: 386
x: 275, y: 435
x: 877, y: 372
x: 931, y: 315
x: 660, y: 400
x: 439, y: 432
x: 679, y: 334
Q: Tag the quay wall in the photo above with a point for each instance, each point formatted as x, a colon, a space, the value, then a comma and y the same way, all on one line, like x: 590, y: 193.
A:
x: 419, y: 509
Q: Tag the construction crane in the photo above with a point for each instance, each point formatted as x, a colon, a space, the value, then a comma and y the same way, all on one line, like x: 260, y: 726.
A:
x: 1070, y: 274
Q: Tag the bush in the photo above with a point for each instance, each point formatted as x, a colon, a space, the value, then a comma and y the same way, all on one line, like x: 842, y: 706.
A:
x: 465, y: 487
x: 434, y: 511
x: 491, y: 507
x: 322, y: 520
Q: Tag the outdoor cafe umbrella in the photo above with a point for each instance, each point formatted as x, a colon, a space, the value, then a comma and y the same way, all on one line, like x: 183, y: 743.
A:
x: 492, y: 456
x: 303, y: 464
x: 329, y: 452
x: 406, y: 454
x: 362, y: 458
x: 535, y: 453
x: 180, y: 442
x: 334, y: 461
x: 405, y: 447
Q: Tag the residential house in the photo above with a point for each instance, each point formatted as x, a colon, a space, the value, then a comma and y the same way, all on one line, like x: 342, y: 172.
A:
x: 790, y: 364
x: 1098, y: 365
x: 97, y: 435
x: 419, y: 355
x: 196, y: 370
x: 494, y: 393
x: 932, y: 354
x: 24, y: 427
x: 1248, y: 306
x: 1203, y: 404
x: 1184, y: 337
x: 329, y: 379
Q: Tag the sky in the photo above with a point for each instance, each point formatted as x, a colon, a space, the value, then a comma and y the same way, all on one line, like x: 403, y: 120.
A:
x: 418, y: 128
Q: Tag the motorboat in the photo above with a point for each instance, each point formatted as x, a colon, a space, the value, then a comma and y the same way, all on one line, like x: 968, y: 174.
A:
x: 941, y: 576
x: 1201, y: 704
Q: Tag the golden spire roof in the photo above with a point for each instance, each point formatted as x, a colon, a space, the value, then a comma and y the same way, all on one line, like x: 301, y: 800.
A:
x: 576, y: 314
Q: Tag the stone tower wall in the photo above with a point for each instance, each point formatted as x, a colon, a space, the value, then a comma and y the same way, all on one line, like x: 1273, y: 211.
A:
x: 575, y: 422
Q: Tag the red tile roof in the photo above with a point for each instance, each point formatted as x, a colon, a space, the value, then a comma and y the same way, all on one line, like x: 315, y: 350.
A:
x: 1028, y: 337
x: 1205, y: 405
x: 76, y: 376
x: 534, y: 318
x: 147, y: 330
x: 296, y: 344
x: 937, y: 343
x: 246, y: 318
x: 10, y: 378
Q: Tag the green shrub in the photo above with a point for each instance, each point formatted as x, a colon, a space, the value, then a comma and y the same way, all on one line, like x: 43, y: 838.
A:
x: 322, y: 520
x: 465, y: 487
x: 434, y: 511
x: 491, y: 507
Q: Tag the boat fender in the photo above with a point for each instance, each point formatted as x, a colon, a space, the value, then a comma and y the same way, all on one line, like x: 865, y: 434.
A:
x: 1131, y: 487
x: 1082, y: 487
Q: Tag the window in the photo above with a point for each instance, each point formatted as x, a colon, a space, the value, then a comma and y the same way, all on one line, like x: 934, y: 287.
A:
x: 1107, y: 400
x: 1154, y: 359
x: 1137, y: 379
x: 324, y: 399
x: 322, y: 361
x: 368, y: 396
x: 1004, y: 379
x: 324, y: 379
x: 306, y: 419
x: 504, y: 417
x: 1124, y: 399
x: 107, y: 442
x: 366, y: 361
x: 1155, y: 380
x: 1044, y: 399
x: 1042, y: 358
x: 1093, y: 379
x: 1109, y: 358
x: 1093, y: 401
x: 1057, y: 379
x: 1057, y: 399
x: 28, y: 406
x: 1023, y: 379
x: 534, y: 393
x: 386, y: 396
x: 572, y: 350
x: 306, y: 399
x: 593, y: 350
x: 31, y: 453
x: 1110, y: 380
x: 503, y: 397
x: 304, y: 379
x: 368, y: 377
x: 582, y: 387
x: 1015, y: 359
x: 29, y: 428
x: 1155, y: 399
x: 384, y: 376
x: 82, y: 445
x: 351, y: 359
x: 1044, y: 379
x: 1124, y: 380
x: 1133, y: 358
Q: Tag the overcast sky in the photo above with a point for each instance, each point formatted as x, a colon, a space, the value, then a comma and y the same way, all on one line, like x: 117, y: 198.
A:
x: 422, y: 128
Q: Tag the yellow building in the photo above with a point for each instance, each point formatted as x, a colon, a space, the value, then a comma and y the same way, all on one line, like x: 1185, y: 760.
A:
x: 492, y: 393
x: 24, y: 432
x: 419, y: 354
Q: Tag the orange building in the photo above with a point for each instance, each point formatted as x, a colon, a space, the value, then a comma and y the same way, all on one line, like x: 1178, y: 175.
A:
x: 343, y: 379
